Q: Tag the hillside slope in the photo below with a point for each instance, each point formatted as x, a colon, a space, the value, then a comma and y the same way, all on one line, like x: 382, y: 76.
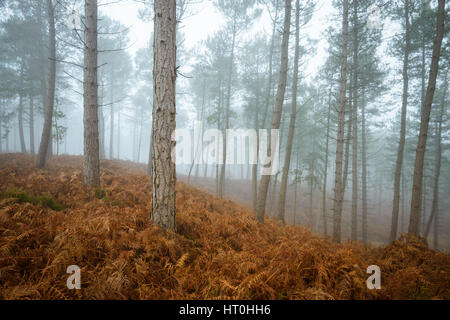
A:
x: 219, y: 252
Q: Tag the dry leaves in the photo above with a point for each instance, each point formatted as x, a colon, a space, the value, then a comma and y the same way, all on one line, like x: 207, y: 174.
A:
x: 220, y: 250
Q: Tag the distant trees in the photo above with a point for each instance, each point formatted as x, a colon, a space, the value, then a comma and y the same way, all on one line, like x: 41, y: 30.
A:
x: 163, y: 177
x: 265, y: 179
x: 238, y: 18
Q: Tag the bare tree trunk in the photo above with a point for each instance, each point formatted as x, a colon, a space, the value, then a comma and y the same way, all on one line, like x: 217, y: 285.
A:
x: 31, y: 124
x: 42, y: 58
x: 437, y: 171
x: 149, y: 164
x: 111, y: 127
x: 402, y: 215
x: 199, y: 138
x: 91, y: 161
x: 273, y: 194
x: 311, y: 214
x: 354, y: 234
x: 141, y: 126
x: 288, y: 152
x: 338, y: 183
x: 325, y: 173
x: 101, y: 118
x: 1, y: 126
x: 348, y: 137
x: 416, y: 197
x: 45, y: 144
x: 118, y: 134
x: 56, y: 132
x: 295, y: 192
x: 163, y: 211
x: 265, y: 179
x: 227, y: 113
x: 401, y: 145
x: 20, y: 112
x: 364, y: 173
x: 270, y: 80
x: 255, y: 165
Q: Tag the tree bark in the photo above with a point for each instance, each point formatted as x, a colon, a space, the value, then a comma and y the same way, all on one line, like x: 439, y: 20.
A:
x: 416, y: 197
x: 401, y: 145
x: 91, y: 162
x: 270, y: 80
x: 325, y: 173
x: 118, y: 134
x: 227, y: 113
x: 101, y: 119
x: 264, y: 183
x: 50, y: 98
x: 111, y: 125
x: 364, y: 173
x: 31, y: 124
x: 288, y: 152
x: 164, y: 77
x: 354, y: 234
x: 20, y: 112
x: 348, y: 137
x: 1, y: 126
x: 437, y: 170
x: 338, y: 183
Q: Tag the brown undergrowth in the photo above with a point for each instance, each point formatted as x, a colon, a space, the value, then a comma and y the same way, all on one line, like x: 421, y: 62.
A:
x: 219, y: 252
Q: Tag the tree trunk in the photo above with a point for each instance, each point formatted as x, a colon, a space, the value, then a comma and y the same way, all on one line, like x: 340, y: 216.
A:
x: 111, y: 127
x: 255, y: 165
x: 1, y: 126
x: 354, y: 234
x: 338, y: 179
x: 149, y: 165
x: 31, y: 124
x: 401, y: 145
x: 141, y: 127
x: 437, y: 170
x: 45, y: 144
x: 227, y: 113
x: 164, y: 76
x: 273, y: 194
x: 348, y: 137
x: 265, y: 179
x: 402, y: 214
x: 364, y: 173
x: 270, y: 80
x: 295, y: 192
x: 42, y: 58
x: 325, y: 173
x: 199, y: 138
x: 118, y: 134
x: 416, y: 197
x: 288, y: 153
x: 101, y: 125
x: 91, y: 162
x: 20, y: 112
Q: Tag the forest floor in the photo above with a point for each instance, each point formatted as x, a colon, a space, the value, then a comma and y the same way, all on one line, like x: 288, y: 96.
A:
x: 49, y: 221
